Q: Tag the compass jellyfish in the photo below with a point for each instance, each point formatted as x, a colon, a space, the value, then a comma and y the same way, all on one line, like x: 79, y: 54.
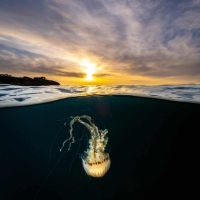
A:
x: 96, y: 162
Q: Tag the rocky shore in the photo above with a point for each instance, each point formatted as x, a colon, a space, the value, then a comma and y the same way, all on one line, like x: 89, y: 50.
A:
x: 25, y: 81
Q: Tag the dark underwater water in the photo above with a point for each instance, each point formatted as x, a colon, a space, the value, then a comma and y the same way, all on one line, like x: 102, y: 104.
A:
x: 153, y: 145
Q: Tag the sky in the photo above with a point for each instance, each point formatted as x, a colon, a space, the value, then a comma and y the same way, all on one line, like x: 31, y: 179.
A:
x: 108, y: 42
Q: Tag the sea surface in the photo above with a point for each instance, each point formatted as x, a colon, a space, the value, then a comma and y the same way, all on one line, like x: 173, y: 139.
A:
x: 28, y: 95
x: 153, y: 143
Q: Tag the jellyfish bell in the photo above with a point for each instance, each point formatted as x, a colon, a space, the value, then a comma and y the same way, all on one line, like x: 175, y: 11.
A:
x: 96, y: 169
x: 96, y: 162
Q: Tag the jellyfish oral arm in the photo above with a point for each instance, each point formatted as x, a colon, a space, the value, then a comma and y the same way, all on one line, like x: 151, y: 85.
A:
x: 95, y: 161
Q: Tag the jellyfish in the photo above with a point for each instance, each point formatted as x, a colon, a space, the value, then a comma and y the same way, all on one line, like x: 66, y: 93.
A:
x: 96, y: 162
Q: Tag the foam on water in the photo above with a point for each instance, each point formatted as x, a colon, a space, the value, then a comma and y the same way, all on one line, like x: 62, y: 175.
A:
x: 11, y: 95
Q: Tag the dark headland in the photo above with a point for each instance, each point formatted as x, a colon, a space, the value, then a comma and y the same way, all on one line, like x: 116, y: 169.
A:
x: 25, y: 81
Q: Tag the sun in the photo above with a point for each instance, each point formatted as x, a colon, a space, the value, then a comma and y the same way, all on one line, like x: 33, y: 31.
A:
x: 90, y: 69
x: 89, y: 76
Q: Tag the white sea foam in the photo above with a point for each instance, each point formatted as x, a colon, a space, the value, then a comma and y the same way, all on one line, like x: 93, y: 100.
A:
x: 28, y: 95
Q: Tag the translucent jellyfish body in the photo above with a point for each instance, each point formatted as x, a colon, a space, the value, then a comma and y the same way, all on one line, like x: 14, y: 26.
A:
x: 95, y: 161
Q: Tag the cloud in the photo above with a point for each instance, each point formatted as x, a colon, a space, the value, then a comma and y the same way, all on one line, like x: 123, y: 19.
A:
x: 101, y: 75
x: 23, y: 62
x: 57, y: 70
x: 146, y: 38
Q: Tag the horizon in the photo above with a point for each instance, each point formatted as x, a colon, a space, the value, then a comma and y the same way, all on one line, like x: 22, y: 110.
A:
x: 123, y: 42
x: 23, y: 76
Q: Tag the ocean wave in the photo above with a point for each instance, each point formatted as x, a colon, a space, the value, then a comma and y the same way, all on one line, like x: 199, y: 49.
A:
x: 24, y: 95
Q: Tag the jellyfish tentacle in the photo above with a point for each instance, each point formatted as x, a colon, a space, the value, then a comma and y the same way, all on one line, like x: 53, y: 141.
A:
x: 77, y: 118
x: 90, y: 128
x: 70, y: 132
x: 90, y: 121
x: 88, y: 118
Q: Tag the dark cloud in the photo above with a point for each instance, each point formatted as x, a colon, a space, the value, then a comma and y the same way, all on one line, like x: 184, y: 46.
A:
x: 23, y: 62
x: 101, y: 75
x: 7, y: 66
x: 56, y: 70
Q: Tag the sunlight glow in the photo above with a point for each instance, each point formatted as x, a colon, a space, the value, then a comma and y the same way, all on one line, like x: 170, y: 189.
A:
x: 89, y: 76
x: 90, y: 69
